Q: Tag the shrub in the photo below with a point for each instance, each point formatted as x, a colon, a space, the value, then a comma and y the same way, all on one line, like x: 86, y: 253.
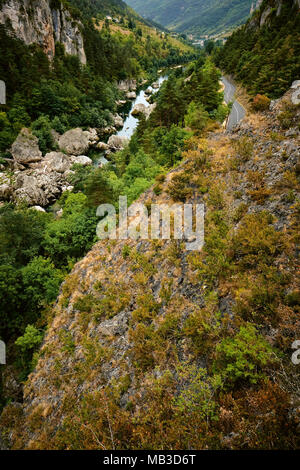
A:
x: 178, y: 189
x: 41, y: 128
x: 243, y: 358
x: 256, y: 240
x: 196, y: 117
x: 288, y: 115
x: 30, y: 340
x: 244, y: 148
x: 261, y: 103
x: 41, y: 282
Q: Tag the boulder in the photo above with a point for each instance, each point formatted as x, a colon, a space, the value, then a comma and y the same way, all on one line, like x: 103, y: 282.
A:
x: 67, y: 188
x: 5, y: 187
x: 116, y: 142
x: 5, y: 191
x: 102, y: 146
x: 149, y: 91
x: 118, y: 121
x: 155, y: 85
x: 131, y: 95
x: 142, y: 109
x: 108, y: 130
x: 29, y: 191
x: 82, y: 160
x: 77, y: 142
x: 39, y: 188
x: 139, y: 109
x: 56, y: 161
x: 25, y: 148
x: 92, y: 136
x: 38, y: 208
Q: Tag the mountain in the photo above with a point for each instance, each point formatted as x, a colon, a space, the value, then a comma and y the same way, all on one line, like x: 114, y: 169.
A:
x: 196, y: 16
x: 264, y: 55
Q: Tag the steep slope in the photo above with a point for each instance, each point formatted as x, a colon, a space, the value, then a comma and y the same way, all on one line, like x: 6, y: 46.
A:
x: 150, y: 346
x: 195, y: 16
x: 265, y: 53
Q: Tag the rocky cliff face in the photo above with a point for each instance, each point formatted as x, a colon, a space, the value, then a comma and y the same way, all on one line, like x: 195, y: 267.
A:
x: 44, y: 22
x: 267, y: 9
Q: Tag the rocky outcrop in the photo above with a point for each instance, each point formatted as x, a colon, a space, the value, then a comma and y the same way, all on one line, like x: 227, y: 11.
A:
x: 77, y: 142
x: 82, y: 160
x: 25, y: 149
x: 266, y: 10
x: 295, y: 98
x: 116, y: 142
x: 56, y: 161
x: 141, y: 109
x: 44, y: 22
x: 118, y: 121
x: 127, y: 85
x: 131, y: 95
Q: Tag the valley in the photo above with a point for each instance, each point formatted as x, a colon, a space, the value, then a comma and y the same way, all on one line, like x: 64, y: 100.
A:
x: 134, y: 341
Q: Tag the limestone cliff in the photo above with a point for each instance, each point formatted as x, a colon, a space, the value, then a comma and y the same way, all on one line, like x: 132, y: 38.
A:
x: 44, y: 22
x: 264, y: 11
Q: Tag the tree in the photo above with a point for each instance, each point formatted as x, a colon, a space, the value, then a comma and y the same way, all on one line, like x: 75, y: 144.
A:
x: 196, y: 117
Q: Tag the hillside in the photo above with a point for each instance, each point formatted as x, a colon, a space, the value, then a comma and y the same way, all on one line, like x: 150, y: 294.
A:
x: 150, y: 346
x: 265, y: 53
x: 198, y: 17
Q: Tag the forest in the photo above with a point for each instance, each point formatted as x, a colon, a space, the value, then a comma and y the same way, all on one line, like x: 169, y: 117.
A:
x: 265, y: 60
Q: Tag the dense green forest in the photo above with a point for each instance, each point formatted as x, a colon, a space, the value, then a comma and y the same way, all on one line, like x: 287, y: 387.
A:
x: 67, y: 94
x: 195, y: 16
x: 265, y: 59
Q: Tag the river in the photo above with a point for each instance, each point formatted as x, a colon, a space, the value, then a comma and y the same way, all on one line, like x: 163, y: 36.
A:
x: 131, y: 122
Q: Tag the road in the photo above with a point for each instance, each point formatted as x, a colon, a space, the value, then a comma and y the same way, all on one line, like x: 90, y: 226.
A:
x: 238, y: 112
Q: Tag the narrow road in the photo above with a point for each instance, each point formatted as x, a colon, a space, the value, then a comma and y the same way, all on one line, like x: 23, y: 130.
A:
x: 238, y: 111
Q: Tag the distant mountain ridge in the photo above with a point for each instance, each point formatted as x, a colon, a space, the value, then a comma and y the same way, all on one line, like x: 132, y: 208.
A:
x: 196, y: 16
